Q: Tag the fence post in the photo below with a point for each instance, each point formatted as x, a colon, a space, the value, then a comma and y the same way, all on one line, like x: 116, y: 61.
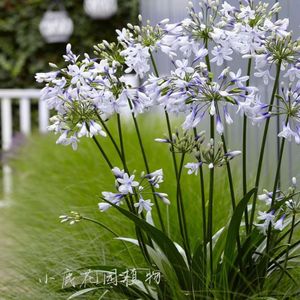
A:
x: 25, y: 116
x: 6, y: 123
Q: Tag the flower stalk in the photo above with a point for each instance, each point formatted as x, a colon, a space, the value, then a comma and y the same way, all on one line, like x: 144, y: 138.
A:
x: 263, y: 145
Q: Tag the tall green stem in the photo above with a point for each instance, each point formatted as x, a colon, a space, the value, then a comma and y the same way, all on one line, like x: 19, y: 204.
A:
x: 110, y: 136
x: 102, y: 152
x: 179, y: 193
x: 210, y: 203
x: 229, y: 173
x: 276, y: 181
x: 203, y: 205
x: 207, y: 56
x: 262, y: 150
x: 245, y: 150
x: 147, y: 169
x: 211, y: 182
x: 288, y: 249
x: 121, y: 140
x: 181, y: 212
x: 154, y: 64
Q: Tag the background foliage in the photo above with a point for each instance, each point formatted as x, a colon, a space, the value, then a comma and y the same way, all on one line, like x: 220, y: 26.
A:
x: 23, y: 52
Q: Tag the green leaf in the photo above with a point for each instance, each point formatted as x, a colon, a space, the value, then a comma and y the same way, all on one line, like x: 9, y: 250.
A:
x: 82, y: 292
x: 219, y: 240
x: 198, y: 268
x: 166, y: 245
x: 233, y: 235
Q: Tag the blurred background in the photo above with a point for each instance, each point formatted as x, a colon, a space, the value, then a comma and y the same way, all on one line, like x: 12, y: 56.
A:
x: 25, y: 49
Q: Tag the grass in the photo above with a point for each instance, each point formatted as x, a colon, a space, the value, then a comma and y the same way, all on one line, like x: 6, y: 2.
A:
x: 50, y: 180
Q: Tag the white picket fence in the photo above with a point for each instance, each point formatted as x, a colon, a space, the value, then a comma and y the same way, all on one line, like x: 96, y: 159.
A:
x: 24, y: 97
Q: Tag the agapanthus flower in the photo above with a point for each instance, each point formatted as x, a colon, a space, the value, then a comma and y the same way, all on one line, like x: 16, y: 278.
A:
x: 118, y: 173
x: 266, y: 197
x: 155, y: 178
x: 114, y: 198
x: 136, y: 58
x: 143, y: 205
x: 290, y: 107
x: 127, y: 184
x: 293, y: 206
x: 73, y: 218
x: 88, y: 92
x: 66, y: 140
x: 293, y: 71
x: 212, y: 155
x: 267, y: 218
x: 221, y: 54
x: 193, y: 168
x: 196, y: 94
x: 279, y: 225
x: 163, y: 197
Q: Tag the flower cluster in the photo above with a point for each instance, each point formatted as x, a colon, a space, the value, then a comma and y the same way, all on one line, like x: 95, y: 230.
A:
x: 134, y: 192
x: 73, y: 218
x: 211, y: 155
x: 290, y: 107
x: 281, y: 206
x: 194, y: 92
x: 85, y: 94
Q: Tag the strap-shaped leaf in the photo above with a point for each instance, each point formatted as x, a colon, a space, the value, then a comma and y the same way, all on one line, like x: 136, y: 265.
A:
x: 166, y: 245
x: 198, y: 268
x: 83, y: 292
x: 233, y: 233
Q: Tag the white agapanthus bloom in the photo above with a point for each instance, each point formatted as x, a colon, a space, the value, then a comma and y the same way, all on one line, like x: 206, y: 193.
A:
x: 193, y: 168
x: 279, y: 225
x: 127, y: 184
x: 136, y: 58
x: 289, y: 134
x: 143, y: 205
x: 155, y: 178
x: 221, y: 54
x: 163, y: 197
x: 113, y: 198
x: 267, y: 218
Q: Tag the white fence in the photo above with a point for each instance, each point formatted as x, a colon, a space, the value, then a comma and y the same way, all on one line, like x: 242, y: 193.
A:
x: 24, y: 97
